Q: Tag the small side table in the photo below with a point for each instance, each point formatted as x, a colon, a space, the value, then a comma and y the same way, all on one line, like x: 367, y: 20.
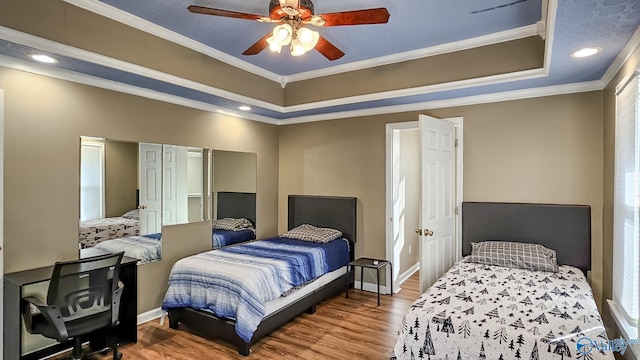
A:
x: 372, y: 264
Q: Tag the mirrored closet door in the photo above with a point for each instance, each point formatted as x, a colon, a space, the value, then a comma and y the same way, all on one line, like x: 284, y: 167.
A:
x: 129, y: 190
x: 234, y: 185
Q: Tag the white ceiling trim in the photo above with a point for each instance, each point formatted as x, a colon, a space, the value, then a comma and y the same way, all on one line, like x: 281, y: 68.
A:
x: 139, y: 23
x: 495, y: 38
x: 69, y: 51
x: 23, y: 65
x: 421, y: 90
x: 73, y: 52
x: 463, y: 101
x: 136, y: 22
x: 62, y: 74
x: 552, y: 10
x: 623, y: 56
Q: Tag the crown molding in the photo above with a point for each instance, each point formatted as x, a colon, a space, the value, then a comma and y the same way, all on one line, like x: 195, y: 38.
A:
x: 551, y: 15
x: 139, y: 23
x: 494, y: 38
x: 84, y: 55
x: 23, y: 65
x: 454, y: 85
x: 447, y: 103
x: 623, y: 56
x: 62, y: 74
x: 126, y: 18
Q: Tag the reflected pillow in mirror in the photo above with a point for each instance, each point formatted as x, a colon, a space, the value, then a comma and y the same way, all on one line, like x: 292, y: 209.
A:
x: 517, y: 255
x: 232, y: 224
x: 312, y: 233
x: 132, y: 214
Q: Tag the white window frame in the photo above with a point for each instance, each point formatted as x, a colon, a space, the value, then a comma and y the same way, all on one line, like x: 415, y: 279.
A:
x: 101, y: 146
x: 628, y: 327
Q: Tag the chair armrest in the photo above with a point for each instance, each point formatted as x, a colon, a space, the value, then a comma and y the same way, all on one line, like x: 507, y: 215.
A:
x: 50, y: 312
x: 27, y: 314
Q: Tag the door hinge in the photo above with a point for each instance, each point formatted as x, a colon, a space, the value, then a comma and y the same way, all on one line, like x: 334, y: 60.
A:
x: 456, y: 143
x: 456, y: 210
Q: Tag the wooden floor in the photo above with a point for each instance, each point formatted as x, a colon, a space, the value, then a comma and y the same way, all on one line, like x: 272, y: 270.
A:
x: 354, y: 328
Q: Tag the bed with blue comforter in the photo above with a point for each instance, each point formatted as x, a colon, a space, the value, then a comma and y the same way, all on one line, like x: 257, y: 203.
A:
x: 147, y: 248
x: 222, y: 238
x: 236, y: 282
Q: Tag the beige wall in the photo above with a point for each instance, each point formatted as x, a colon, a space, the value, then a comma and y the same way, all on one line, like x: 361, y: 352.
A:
x: 234, y: 171
x: 535, y: 150
x: 121, y: 177
x: 44, y: 118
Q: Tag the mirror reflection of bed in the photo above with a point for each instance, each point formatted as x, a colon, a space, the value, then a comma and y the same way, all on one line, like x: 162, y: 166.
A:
x: 129, y: 190
x: 234, y: 197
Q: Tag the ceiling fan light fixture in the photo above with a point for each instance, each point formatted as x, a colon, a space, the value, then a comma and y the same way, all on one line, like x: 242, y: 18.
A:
x: 283, y: 33
x: 297, y: 48
x: 274, y: 44
x: 308, y: 38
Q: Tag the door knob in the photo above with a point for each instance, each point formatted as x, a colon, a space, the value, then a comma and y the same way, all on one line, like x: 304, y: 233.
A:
x: 419, y: 232
x: 142, y: 207
x: 428, y: 232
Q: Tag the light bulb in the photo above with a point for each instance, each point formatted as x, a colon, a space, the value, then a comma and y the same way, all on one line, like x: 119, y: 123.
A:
x: 308, y: 38
x: 43, y: 58
x: 586, y: 52
x: 283, y: 33
x: 274, y: 44
x: 297, y: 48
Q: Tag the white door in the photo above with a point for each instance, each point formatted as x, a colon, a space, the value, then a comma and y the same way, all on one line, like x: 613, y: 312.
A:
x: 175, y: 200
x: 169, y: 197
x: 1, y: 214
x: 150, y: 163
x: 437, y: 208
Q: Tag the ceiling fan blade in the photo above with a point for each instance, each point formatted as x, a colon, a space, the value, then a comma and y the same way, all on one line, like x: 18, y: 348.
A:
x: 357, y: 17
x: 328, y: 49
x: 226, y: 13
x: 258, y: 46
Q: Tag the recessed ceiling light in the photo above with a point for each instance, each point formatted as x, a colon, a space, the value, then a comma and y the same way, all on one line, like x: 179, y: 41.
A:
x: 43, y: 58
x: 244, y: 108
x: 589, y: 51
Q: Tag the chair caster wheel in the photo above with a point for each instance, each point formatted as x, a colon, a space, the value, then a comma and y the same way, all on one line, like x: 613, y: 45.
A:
x: 117, y: 356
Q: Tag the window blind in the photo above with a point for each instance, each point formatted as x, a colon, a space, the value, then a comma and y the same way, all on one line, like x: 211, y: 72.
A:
x: 91, y: 181
x: 626, y: 264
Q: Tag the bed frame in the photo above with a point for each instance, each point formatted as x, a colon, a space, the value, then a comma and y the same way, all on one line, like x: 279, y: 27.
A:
x: 563, y: 228
x: 335, y: 212
x: 236, y: 205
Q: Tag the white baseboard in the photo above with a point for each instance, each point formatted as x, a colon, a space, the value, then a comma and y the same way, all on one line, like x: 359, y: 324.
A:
x: 372, y: 287
x: 407, y: 274
x: 149, y: 315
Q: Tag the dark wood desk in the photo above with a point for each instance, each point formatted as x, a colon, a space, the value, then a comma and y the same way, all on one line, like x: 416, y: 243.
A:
x: 14, y: 283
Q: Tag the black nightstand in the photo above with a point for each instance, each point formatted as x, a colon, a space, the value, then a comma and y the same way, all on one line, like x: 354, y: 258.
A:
x: 372, y: 264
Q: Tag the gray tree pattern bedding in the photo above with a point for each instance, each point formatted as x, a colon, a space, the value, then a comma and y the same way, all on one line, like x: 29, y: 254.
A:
x: 93, y: 232
x: 479, y: 312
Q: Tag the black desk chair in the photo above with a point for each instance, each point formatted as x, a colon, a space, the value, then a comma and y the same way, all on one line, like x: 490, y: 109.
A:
x: 83, y: 297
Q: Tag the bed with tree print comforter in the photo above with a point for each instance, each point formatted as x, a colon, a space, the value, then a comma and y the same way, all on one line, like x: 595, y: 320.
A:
x: 476, y: 311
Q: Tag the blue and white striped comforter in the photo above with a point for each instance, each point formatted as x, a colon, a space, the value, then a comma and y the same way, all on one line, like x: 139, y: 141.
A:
x: 236, y: 282
x: 145, y: 248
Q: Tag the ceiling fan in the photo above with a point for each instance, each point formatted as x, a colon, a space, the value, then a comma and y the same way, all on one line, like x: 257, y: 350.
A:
x: 292, y: 17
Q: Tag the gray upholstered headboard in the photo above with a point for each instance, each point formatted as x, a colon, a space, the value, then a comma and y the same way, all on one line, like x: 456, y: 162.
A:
x: 236, y: 205
x: 563, y: 228
x: 326, y: 211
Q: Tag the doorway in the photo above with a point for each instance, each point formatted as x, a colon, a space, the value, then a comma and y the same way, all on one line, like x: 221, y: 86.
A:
x: 405, y: 203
